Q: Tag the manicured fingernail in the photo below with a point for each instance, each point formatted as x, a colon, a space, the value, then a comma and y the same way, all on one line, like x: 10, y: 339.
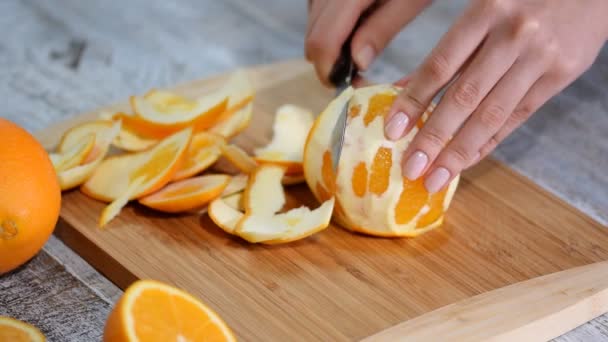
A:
x: 365, y: 56
x: 437, y: 179
x: 396, y: 125
x: 415, y: 164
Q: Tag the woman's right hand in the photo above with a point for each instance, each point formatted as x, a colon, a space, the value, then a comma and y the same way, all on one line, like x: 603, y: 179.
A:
x: 331, y: 21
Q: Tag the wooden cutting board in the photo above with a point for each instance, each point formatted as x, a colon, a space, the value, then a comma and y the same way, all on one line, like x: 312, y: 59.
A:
x: 336, y: 285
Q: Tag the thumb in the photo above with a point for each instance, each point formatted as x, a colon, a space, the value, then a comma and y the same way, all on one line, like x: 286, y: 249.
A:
x: 381, y: 27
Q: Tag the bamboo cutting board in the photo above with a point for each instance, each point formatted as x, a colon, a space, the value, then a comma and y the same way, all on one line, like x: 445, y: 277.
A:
x: 335, y: 285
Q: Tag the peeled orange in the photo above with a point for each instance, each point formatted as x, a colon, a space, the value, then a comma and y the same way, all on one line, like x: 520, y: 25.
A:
x: 371, y: 194
x: 151, y: 311
x: 30, y: 196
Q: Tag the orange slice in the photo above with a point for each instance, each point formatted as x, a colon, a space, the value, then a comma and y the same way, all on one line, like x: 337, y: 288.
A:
x: 126, y: 177
x: 152, y: 311
x: 239, y: 110
x: 263, y: 199
x: 17, y: 331
x: 75, y: 155
x: 187, y: 194
x: 76, y: 142
x: 203, y: 151
x: 290, y: 129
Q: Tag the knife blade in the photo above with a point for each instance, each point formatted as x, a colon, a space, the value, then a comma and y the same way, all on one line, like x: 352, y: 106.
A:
x: 341, y: 76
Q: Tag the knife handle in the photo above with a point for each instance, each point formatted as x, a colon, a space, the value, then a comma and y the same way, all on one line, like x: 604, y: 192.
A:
x: 344, y: 69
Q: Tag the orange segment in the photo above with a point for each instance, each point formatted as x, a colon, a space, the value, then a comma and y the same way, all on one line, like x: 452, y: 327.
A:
x: 359, y: 179
x: 152, y: 311
x: 381, y: 171
x: 354, y: 111
x: 436, y: 209
x: 379, y: 105
x: 17, y: 331
x: 413, y: 197
x: 323, y: 194
x: 188, y: 194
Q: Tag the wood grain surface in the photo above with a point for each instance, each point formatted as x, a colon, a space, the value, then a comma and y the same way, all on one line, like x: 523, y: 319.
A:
x: 501, y: 229
x: 538, y: 309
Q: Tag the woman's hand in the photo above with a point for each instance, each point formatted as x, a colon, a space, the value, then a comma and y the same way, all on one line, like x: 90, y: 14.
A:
x: 503, y: 59
x: 331, y: 21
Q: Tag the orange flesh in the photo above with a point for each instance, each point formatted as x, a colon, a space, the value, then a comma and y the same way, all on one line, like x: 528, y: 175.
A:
x: 381, y: 169
x: 413, y: 197
x: 156, y: 164
x: 328, y: 173
x: 354, y: 111
x: 8, y: 333
x: 160, y: 316
x: 379, y: 105
x: 436, y: 209
x: 359, y: 179
x: 324, y: 195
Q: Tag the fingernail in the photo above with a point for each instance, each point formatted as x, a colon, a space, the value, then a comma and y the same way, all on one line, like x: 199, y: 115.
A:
x: 365, y: 56
x: 437, y: 179
x: 396, y: 125
x: 413, y: 167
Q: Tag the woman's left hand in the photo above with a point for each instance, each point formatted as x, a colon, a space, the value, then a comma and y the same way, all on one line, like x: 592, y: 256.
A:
x: 503, y: 59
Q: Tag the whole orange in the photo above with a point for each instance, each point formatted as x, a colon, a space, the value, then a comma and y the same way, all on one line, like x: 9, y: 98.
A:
x: 30, y: 196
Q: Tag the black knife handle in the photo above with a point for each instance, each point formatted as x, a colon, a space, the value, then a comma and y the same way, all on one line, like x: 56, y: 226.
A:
x: 344, y: 70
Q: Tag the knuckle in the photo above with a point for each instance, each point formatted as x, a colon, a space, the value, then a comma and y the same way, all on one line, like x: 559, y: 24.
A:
x: 437, y: 68
x: 466, y: 94
x: 315, y: 43
x: 524, y: 26
x: 492, y: 117
x: 432, y: 137
x: 489, y: 146
x: 460, y: 155
x: 565, y: 67
x: 495, y: 7
x: 521, y: 114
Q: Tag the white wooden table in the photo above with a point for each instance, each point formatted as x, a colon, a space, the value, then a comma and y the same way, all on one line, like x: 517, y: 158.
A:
x: 62, y: 57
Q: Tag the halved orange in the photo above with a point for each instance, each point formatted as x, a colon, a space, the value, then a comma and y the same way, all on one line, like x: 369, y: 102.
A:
x: 135, y: 175
x: 187, y: 194
x: 12, y: 330
x: 203, y: 151
x: 290, y: 129
x: 152, y: 311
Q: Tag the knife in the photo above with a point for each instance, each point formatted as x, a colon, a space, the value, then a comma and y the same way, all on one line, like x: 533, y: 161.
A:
x: 341, y: 76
